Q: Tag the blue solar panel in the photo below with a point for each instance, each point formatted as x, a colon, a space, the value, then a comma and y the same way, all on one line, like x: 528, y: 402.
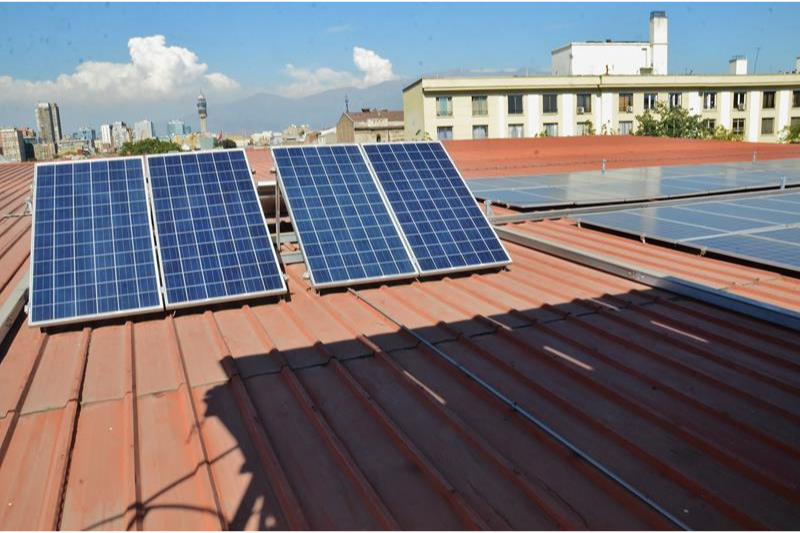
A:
x: 344, y: 228
x: 443, y: 224
x: 212, y: 236
x: 764, y: 228
x: 92, y: 243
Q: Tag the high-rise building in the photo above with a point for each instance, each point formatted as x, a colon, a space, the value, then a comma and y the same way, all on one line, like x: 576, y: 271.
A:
x: 120, y: 134
x: 177, y: 127
x: 86, y: 133
x: 105, y: 134
x: 12, y: 144
x: 202, y: 111
x: 48, y: 122
x: 143, y: 130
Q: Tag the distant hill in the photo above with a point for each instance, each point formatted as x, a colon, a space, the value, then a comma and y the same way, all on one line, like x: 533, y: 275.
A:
x: 265, y: 111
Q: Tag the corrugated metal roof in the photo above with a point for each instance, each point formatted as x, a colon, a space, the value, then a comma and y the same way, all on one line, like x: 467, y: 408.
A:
x: 319, y: 411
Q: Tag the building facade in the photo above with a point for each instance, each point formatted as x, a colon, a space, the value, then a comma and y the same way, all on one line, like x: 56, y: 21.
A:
x: 369, y: 126
x: 618, y: 58
x: 13, y: 145
x: 177, y: 127
x: 48, y: 122
x: 143, y: 130
x: 757, y: 107
x: 120, y: 134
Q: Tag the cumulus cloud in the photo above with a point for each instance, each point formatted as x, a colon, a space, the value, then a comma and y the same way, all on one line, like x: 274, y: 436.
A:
x: 374, y: 70
x: 155, y: 71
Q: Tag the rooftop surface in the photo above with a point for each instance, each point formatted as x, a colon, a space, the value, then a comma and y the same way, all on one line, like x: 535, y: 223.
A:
x: 320, y: 411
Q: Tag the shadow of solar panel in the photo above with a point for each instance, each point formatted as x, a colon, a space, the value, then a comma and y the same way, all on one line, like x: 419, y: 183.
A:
x: 440, y: 218
x: 345, y: 230
x: 92, y: 251
x: 213, y: 240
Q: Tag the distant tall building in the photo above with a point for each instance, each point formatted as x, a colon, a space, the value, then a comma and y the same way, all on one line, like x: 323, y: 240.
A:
x: 86, y: 133
x: 120, y: 134
x: 12, y: 144
x: 177, y: 127
x: 143, y: 130
x: 105, y: 134
x: 48, y: 122
x: 202, y: 111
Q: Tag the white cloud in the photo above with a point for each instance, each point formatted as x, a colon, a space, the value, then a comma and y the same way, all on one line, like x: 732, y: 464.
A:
x: 341, y: 28
x: 154, y: 72
x: 374, y: 68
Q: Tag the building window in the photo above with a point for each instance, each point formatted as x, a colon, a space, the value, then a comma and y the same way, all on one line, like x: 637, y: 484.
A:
x: 626, y: 103
x: 709, y: 100
x: 444, y: 106
x: 480, y: 131
x: 551, y: 129
x: 710, y: 124
x: 767, y: 126
x: 625, y: 127
x: 480, y: 106
x: 550, y: 103
x: 769, y: 100
x: 738, y: 126
x: 584, y: 104
x: 794, y: 121
x: 444, y: 133
x: 650, y: 100
x: 674, y: 100
x: 739, y: 101
x: 795, y: 98
x: 514, y: 104
x: 515, y: 131
x: 583, y: 128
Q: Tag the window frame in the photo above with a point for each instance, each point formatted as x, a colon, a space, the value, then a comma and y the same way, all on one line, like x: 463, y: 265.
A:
x: 440, y: 129
x: 545, y: 125
x: 485, y: 129
x: 477, y: 98
x: 652, y: 104
x: 449, y: 100
x: 771, y: 100
x: 545, y: 97
x: 675, y: 96
x: 768, y: 120
x: 623, y: 108
x: 743, y: 100
x: 743, y: 128
x: 521, y: 110
x: 795, y: 99
x: 587, y: 98
x: 627, y: 123
x: 709, y: 95
x: 517, y: 126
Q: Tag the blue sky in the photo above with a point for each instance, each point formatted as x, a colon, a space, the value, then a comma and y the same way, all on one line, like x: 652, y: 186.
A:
x: 252, y: 43
x: 106, y: 61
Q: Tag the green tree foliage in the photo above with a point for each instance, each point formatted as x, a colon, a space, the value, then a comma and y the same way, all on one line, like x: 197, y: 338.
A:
x: 791, y: 134
x: 672, y: 122
x: 149, y: 146
x: 225, y: 143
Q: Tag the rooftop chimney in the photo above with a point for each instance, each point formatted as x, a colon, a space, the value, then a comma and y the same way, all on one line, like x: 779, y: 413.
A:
x: 738, y: 65
x: 659, y: 42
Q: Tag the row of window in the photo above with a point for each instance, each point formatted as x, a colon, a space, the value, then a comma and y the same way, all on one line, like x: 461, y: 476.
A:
x: 550, y: 129
x: 583, y: 103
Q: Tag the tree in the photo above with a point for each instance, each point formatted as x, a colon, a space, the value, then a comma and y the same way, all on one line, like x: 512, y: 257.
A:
x: 225, y: 143
x: 673, y: 122
x: 791, y: 134
x: 149, y: 146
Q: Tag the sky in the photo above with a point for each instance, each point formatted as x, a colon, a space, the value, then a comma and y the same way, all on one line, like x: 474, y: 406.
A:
x: 122, y: 53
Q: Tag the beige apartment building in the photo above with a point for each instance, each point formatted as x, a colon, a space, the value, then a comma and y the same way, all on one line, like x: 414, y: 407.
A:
x: 756, y: 106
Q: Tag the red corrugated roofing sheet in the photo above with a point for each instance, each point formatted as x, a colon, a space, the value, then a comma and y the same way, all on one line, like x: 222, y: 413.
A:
x: 319, y: 412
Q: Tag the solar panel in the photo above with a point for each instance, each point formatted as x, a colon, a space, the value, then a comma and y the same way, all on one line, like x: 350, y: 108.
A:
x: 92, y: 244
x: 344, y: 228
x: 764, y: 228
x: 443, y: 224
x: 634, y: 184
x: 212, y: 236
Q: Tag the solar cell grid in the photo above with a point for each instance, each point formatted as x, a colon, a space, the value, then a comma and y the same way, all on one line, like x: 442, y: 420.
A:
x: 444, y: 226
x: 92, y: 250
x: 213, y: 241
x: 344, y: 228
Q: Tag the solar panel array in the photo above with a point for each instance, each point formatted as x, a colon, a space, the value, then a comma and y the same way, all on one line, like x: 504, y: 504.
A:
x: 763, y: 229
x: 400, y: 212
x: 212, y: 235
x: 93, y: 253
x: 445, y: 228
x: 345, y: 230
x: 634, y: 184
